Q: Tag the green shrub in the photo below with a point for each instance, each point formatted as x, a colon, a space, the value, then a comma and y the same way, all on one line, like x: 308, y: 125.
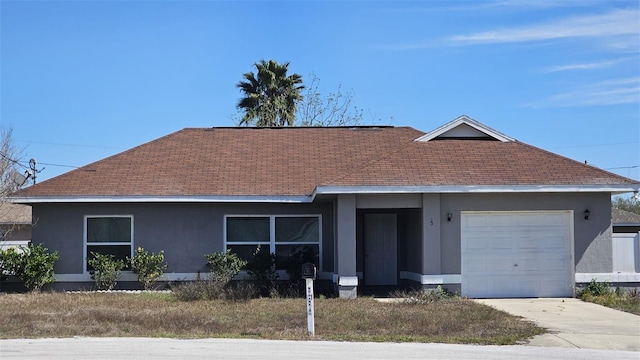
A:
x: 224, y: 266
x: 595, y: 288
x: 34, y: 266
x: 293, y: 266
x: 148, y: 266
x: 106, y: 270
x: 262, y: 269
x: 10, y: 260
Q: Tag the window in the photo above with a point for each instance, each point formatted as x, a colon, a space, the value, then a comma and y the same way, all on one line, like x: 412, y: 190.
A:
x: 284, y: 235
x: 108, y: 235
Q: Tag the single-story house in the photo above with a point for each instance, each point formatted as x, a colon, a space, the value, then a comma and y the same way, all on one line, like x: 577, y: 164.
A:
x: 463, y: 206
x: 15, y: 225
x: 626, y: 242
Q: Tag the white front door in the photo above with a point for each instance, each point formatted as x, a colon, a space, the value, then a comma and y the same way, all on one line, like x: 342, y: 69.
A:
x: 380, y: 249
x: 517, y: 254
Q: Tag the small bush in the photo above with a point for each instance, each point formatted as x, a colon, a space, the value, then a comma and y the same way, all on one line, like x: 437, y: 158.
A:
x: 292, y: 264
x: 224, y: 266
x: 148, y: 266
x: 10, y: 260
x: 106, y: 270
x: 595, y: 288
x: 33, y: 265
x: 262, y: 269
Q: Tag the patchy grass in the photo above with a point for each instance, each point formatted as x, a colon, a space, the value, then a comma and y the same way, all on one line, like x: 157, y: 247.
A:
x: 601, y: 293
x: 628, y: 302
x: 452, y: 320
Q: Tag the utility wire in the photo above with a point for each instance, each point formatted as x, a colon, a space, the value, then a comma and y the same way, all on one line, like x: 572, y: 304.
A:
x: 622, y: 167
x: 593, y: 145
x: 13, y: 160
x: 60, y: 165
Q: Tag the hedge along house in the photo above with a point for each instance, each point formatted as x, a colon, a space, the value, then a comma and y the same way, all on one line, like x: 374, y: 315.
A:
x: 463, y: 206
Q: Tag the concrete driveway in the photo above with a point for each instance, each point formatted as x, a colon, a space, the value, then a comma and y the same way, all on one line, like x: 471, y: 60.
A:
x: 574, y: 323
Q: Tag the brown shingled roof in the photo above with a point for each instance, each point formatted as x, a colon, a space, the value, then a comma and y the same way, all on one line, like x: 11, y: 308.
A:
x: 14, y: 213
x: 619, y: 216
x: 293, y: 161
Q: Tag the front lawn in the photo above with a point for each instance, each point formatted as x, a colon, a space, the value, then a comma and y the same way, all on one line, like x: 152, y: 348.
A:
x: 451, y: 320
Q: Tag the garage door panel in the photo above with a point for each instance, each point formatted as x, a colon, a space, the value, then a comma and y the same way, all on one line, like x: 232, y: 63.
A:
x: 517, y: 254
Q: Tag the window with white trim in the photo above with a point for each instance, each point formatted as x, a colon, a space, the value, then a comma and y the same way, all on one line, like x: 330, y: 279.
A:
x: 283, y: 235
x: 108, y: 234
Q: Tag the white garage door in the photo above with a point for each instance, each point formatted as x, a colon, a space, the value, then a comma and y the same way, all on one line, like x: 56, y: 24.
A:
x: 517, y: 254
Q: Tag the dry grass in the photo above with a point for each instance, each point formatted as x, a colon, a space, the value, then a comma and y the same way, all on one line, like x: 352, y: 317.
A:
x: 629, y: 302
x: 160, y: 315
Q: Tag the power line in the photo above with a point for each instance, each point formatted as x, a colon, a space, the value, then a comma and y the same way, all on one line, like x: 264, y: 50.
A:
x: 60, y: 165
x: 65, y: 144
x: 594, y: 145
x: 623, y: 167
x: 13, y: 161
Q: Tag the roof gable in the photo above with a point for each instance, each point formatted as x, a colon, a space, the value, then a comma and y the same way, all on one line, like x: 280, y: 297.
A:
x: 465, y: 127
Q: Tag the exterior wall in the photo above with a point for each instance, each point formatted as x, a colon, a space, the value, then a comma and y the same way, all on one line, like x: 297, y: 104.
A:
x: 388, y: 201
x: 186, y: 232
x: 592, y: 237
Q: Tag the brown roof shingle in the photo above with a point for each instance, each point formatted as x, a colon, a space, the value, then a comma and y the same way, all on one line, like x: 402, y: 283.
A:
x: 293, y: 161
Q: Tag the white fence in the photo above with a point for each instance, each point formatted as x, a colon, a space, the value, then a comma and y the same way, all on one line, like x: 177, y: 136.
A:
x: 626, y: 252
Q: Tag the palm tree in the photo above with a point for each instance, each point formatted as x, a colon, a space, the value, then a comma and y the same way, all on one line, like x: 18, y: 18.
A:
x: 270, y: 97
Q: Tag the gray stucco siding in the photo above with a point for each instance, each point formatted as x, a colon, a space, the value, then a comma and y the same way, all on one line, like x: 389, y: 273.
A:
x: 186, y: 232
x: 592, y: 237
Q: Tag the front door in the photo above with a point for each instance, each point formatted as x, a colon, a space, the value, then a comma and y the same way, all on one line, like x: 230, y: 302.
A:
x: 380, y: 249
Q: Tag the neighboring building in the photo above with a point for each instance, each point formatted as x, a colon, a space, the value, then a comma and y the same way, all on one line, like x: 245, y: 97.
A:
x: 626, y: 242
x: 15, y: 225
x: 463, y: 206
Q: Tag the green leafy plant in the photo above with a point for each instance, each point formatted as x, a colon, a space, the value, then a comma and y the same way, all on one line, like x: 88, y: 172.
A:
x: 106, y: 270
x: 262, y: 269
x: 10, y: 260
x: 148, y: 266
x: 34, y: 266
x: 595, y: 288
x: 293, y: 266
x: 224, y: 265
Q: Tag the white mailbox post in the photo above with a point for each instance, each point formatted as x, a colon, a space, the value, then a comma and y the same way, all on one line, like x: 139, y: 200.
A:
x: 309, y: 274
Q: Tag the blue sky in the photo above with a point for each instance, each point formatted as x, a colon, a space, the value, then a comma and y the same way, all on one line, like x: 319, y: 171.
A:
x: 83, y: 80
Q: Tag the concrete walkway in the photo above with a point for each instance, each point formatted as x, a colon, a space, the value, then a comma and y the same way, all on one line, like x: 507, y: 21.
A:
x: 573, y: 323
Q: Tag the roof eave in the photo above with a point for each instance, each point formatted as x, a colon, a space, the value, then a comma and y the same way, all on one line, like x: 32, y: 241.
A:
x: 294, y: 199
x: 456, y: 189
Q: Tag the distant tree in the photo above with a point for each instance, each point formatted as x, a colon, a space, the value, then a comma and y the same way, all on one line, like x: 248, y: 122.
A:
x: 13, y: 175
x: 334, y: 109
x: 628, y: 204
x: 270, y: 96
